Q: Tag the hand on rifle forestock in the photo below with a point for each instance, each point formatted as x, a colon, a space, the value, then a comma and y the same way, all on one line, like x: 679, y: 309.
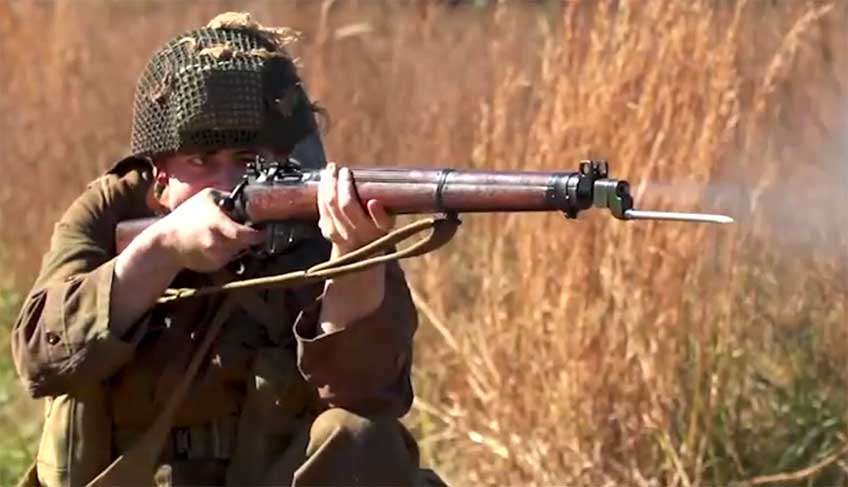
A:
x: 344, y: 220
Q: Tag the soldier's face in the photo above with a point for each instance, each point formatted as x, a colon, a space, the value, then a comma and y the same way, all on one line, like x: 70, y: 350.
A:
x: 183, y: 175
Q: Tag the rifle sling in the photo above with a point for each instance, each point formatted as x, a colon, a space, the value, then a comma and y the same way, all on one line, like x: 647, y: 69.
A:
x: 442, y: 230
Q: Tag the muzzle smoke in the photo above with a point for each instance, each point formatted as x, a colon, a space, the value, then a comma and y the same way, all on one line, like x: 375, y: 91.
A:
x: 798, y: 204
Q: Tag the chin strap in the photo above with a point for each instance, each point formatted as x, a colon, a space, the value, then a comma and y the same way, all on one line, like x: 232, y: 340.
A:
x: 135, y: 466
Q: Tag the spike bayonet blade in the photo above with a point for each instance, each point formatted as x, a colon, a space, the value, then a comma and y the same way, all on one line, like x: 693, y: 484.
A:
x: 676, y: 216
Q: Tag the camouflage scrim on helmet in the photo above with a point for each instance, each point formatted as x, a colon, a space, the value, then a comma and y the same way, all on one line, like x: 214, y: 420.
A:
x: 229, y: 84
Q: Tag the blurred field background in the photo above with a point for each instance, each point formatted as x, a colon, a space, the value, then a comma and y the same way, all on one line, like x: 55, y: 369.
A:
x: 551, y: 352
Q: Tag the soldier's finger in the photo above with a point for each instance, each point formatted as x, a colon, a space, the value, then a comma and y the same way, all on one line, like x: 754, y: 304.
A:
x: 227, y: 229
x: 238, y: 235
x: 214, y: 197
x: 324, y: 222
x: 216, y: 246
x: 380, y: 217
x: 326, y: 195
x: 341, y: 227
x: 349, y: 205
x: 251, y: 236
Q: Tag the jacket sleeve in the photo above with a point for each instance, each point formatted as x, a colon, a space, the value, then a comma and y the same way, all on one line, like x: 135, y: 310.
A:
x: 62, y: 337
x: 366, y: 366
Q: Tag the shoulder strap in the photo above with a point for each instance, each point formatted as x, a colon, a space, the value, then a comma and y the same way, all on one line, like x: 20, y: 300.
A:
x: 135, y: 466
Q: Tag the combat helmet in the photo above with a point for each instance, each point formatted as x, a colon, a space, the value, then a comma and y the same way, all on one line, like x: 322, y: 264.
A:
x: 231, y: 83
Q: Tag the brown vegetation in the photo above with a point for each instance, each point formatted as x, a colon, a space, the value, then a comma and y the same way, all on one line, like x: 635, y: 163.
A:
x: 593, y: 352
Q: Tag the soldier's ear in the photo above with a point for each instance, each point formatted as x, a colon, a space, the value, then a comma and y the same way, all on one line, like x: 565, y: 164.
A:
x: 157, y: 197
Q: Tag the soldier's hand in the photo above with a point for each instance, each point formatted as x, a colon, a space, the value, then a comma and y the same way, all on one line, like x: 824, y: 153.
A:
x: 344, y: 220
x: 201, y: 237
x: 349, y: 224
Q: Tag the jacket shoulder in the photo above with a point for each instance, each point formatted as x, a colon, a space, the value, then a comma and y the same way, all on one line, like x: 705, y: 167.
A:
x: 131, y: 164
x: 126, y: 186
x: 123, y: 193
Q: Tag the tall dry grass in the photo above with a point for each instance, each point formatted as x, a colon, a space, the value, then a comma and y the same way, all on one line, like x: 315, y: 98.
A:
x: 551, y: 352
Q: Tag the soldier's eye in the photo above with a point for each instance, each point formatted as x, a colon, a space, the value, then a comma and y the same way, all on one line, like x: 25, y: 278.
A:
x: 247, y: 157
x: 196, y: 161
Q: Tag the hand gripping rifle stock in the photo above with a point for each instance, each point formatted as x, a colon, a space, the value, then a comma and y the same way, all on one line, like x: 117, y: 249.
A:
x: 283, y: 196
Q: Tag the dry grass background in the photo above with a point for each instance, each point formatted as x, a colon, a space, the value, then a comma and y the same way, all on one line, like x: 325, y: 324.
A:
x: 551, y: 352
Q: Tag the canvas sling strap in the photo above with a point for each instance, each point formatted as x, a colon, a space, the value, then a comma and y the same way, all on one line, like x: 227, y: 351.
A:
x: 442, y: 229
x: 135, y: 466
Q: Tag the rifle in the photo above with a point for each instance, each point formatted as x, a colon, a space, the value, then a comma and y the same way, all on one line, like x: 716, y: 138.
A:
x: 282, y: 196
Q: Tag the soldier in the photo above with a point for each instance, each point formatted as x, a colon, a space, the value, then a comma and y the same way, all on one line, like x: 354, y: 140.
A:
x: 302, y: 387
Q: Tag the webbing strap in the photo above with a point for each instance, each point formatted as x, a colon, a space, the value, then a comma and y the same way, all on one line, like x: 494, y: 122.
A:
x: 135, y: 466
x: 442, y: 230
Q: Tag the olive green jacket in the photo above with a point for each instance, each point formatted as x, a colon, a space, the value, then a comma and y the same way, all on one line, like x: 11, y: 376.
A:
x: 268, y: 366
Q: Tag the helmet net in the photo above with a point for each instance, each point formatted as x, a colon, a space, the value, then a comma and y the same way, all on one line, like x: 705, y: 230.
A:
x: 229, y: 84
